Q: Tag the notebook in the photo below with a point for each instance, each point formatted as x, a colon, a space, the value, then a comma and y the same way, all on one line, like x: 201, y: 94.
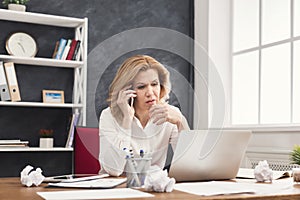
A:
x: 209, y: 154
x: 100, y: 183
x: 73, y: 178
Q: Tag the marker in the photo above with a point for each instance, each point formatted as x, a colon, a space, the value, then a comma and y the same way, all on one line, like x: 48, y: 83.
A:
x: 142, y: 153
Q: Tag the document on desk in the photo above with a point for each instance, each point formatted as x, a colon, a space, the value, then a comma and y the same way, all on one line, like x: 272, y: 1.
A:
x: 241, y: 186
x: 249, y: 173
x: 101, y: 183
x: 94, y: 194
x: 213, y: 188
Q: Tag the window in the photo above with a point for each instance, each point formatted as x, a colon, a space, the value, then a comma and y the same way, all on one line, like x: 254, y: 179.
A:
x: 266, y: 62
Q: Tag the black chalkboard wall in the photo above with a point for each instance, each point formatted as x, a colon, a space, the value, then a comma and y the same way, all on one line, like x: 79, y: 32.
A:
x: 107, y: 18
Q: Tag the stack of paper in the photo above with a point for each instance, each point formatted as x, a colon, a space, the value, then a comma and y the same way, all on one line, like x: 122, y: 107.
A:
x: 95, y: 194
x: 13, y: 143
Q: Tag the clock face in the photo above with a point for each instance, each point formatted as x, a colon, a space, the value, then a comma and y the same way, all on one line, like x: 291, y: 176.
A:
x: 21, y: 44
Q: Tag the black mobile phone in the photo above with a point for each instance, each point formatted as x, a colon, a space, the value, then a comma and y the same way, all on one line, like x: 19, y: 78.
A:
x: 131, y: 101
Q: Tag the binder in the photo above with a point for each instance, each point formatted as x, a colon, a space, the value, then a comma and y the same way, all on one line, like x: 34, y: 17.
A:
x: 12, y: 81
x: 4, y: 92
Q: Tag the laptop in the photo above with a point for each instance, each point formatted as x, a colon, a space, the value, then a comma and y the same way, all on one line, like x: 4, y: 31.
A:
x: 209, y: 154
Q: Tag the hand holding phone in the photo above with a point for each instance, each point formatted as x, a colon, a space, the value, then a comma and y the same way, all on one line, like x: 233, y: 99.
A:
x: 126, y: 100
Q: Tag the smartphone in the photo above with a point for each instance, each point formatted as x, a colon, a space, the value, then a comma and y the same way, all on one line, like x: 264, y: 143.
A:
x: 131, y: 101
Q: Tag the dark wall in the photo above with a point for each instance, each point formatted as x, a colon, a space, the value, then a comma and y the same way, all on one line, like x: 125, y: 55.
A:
x: 106, y: 19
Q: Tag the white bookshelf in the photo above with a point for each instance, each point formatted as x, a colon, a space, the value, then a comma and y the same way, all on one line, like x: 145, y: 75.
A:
x: 43, y: 19
x: 56, y: 159
x: 80, y: 26
x: 42, y: 61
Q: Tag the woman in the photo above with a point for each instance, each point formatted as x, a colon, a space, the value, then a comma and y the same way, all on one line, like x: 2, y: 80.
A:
x: 138, y: 118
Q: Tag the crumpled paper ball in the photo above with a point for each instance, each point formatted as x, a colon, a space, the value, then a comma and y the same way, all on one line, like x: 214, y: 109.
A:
x: 157, y: 180
x: 29, y: 177
x: 263, y: 172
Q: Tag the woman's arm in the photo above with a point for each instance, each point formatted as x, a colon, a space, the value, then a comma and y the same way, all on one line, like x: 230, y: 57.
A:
x: 113, y: 138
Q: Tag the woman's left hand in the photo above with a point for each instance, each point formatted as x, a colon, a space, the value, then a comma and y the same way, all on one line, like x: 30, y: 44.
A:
x: 161, y: 113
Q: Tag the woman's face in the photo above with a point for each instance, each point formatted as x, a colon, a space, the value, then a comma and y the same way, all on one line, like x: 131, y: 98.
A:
x: 147, y: 87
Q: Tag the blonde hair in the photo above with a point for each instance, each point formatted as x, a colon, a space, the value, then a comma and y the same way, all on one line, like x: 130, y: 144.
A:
x: 126, y: 74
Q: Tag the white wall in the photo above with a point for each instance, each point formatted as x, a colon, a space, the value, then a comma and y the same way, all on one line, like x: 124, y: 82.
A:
x: 219, y: 46
x: 201, y: 71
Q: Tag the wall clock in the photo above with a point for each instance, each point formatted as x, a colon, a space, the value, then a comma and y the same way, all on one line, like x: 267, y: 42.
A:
x: 21, y: 44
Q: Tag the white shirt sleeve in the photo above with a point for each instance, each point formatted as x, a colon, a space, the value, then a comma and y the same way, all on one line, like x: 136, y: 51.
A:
x: 174, y: 137
x: 113, y: 138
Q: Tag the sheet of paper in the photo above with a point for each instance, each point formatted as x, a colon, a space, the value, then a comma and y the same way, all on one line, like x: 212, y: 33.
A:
x: 242, y: 186
x: 213, y: 188
x: 249, y: 173
x: 94, y: 194
x: 279, y: 186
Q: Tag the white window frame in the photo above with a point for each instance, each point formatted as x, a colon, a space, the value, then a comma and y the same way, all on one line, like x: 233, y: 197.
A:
x: 204, y: 35
x: 273, y: 127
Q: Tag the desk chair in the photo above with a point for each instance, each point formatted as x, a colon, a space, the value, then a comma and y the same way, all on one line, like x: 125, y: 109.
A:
x: 86, y: 150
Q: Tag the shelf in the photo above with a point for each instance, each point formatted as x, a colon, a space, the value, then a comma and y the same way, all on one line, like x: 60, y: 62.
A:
x: 37, y: 18
x: 39, y: 104
x: 41, y: 61
x: 6, y: 149
x: 78, y: 104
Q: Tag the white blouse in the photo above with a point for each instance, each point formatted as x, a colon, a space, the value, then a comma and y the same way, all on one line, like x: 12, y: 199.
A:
x: 153, y: 139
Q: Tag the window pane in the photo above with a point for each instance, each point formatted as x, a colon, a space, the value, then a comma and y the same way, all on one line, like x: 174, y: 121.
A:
x: 245, y: 89
x: 275, y: 84
x: 245, y: 30
x: 297, y: 18
x: 296, y: 83
x: 275, y: 20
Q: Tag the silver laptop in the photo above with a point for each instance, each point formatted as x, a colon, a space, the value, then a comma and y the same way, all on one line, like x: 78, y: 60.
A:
x: 209, y: 154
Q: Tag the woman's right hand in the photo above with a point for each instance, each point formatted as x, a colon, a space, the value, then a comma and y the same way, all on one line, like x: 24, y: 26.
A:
x: 126, y: 95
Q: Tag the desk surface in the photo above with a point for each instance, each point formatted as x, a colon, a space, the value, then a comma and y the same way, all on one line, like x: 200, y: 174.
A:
x: 11, y: 188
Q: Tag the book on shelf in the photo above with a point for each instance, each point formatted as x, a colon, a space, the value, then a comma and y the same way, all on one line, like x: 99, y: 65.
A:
x: 13, y: 143
x: 76, y: 52
x: 72, y: 49
x: 66, y: 50
x: 61, y: 47
x: 55, y: 49
x: 73, y: 123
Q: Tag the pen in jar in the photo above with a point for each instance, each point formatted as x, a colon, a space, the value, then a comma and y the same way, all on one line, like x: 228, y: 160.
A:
x: 142, y: 153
